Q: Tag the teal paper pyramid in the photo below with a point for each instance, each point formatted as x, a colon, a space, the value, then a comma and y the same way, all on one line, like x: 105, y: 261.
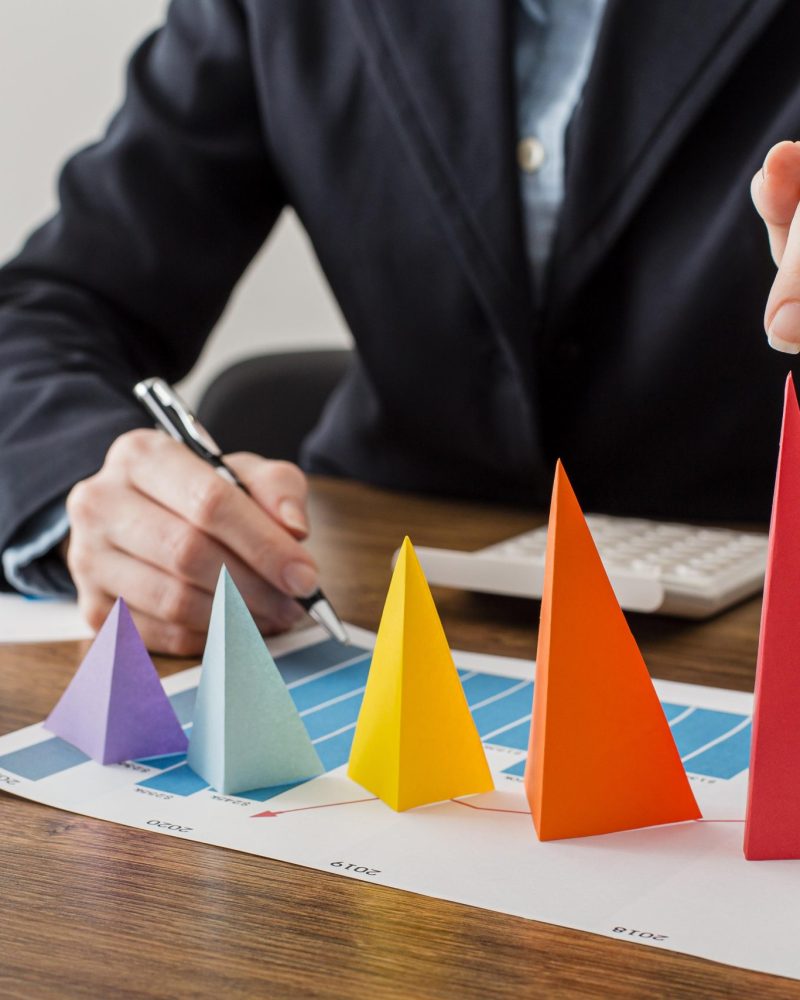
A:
x: 247, y: 732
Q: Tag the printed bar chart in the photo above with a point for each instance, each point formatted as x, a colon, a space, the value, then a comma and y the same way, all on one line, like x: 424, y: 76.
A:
x: 327, y: 683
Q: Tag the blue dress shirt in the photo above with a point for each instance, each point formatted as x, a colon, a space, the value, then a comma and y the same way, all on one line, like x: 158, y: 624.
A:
x: 32, y: 565
x: 554, y: 45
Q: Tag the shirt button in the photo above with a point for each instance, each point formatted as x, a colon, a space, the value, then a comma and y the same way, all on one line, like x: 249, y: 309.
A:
x: 530, y: 154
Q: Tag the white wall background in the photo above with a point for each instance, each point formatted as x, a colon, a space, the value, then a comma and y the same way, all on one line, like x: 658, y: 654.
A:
x: 61, y: 76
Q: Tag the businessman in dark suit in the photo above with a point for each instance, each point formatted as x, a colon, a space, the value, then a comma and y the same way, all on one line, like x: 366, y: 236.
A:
x: 591, y: 290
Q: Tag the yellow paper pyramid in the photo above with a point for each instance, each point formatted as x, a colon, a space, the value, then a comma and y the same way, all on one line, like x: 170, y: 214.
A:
x: 415, y: 741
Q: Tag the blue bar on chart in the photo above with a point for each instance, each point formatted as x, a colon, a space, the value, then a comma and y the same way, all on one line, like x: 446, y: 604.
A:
x: 43, y: 759
x: 179, y: 781
x: 335, y: 750
x: 514, y: 738
x: 701, y: 726
x: 334, y: 717
x: 672, y: 711
x: 725, y: 759
x: 300, y: 663
x: 479, y: 687
x: 518, y: 769
x: 307, y: 695
x: 163, y: 762
x: 514, y: 707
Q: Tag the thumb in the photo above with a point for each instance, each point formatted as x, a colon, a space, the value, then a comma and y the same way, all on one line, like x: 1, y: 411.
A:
x: 782, y: 315
x: 775, y: 191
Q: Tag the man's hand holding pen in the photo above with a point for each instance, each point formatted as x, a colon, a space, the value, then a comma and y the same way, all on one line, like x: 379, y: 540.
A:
x: 156, y: 523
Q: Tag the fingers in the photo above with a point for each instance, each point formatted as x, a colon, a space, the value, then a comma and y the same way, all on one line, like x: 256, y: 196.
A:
x: 168, y: 638
x: 172, y: 616
x: 176, y: 479
x: 146, y: 531
x: 156, y: 524
x: 145, y: 588
x: 279, y: 487
x: 157, y: 635
x: 782, y: 314
x: 775, y: 191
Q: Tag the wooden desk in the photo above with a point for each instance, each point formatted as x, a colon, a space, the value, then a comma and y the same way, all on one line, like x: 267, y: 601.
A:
x: 90, y: 909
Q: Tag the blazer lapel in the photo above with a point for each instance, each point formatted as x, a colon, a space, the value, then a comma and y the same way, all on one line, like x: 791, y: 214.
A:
x: 444, y: 70
x: 445, y: 75
x: 658, y: 63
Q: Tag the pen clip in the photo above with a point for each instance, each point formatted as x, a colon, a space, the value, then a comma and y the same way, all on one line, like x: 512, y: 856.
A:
x: 174, y: 416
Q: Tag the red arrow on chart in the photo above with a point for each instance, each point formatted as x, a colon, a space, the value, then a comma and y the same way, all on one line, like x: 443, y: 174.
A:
x: 491, y: 809
x: 299, y: 809
x: 268, y: 813
x: 719, y: 821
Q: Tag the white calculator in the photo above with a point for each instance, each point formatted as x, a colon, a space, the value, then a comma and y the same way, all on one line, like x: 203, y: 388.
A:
x: 669, y: 569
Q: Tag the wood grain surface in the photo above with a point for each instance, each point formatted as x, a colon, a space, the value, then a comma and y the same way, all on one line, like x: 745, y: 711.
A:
x: 90, y: 909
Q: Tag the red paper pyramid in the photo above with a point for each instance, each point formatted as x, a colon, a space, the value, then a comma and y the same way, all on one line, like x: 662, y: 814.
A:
x: 772, y: 826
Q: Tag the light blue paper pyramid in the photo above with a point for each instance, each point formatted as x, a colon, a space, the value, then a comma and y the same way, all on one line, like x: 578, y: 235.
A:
x: 246, y: 732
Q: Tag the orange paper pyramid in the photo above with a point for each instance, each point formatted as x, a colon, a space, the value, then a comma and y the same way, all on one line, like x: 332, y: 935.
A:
x: 772, y: 826
x: 601, y: 757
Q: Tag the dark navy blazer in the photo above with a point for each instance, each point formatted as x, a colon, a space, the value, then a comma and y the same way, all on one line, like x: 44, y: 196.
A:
x: 389, y: 127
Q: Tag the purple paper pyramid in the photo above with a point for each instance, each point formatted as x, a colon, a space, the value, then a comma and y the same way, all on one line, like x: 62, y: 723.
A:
x: 115, y: 708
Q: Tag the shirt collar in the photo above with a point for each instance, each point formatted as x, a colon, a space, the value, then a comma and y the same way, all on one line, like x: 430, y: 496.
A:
x: 535, y: 9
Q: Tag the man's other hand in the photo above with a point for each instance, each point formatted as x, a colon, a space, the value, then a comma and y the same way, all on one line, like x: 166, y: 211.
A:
x: 155, y: 524
x: 775, y: 190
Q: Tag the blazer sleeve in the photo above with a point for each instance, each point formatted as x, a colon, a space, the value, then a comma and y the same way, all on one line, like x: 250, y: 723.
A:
x: 156, y: 224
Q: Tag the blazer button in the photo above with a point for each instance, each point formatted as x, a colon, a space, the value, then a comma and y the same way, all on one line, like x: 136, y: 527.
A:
x: 530, y: 154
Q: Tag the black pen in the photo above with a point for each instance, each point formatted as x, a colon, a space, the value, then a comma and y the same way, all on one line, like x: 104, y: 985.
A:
x: 172, y: 415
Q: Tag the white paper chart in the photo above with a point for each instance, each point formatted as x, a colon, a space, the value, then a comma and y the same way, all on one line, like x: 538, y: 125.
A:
x: 26, y: 619
x: 684, y: 887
